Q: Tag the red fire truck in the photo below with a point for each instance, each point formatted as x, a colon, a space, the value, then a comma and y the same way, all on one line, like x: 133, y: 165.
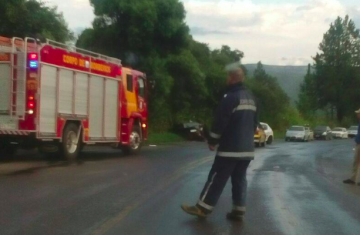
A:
x: 58, y: 98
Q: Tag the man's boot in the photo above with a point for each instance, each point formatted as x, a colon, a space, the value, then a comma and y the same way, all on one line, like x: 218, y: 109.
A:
x: 196, y: 211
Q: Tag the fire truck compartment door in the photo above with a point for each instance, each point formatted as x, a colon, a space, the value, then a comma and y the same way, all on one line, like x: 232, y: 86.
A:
x: 47, y: 119
x: 4, y: 88
x: 81, y: 94
x: 66, y: 91
x: 111, y: 108
x: 96, y: 107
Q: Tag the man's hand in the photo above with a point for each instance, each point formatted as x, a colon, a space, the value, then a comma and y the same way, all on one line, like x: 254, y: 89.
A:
x: 212, y: 147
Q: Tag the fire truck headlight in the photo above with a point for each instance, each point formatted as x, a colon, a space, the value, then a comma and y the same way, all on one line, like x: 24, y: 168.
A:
x: 31, y: 112
x: 144, y: 125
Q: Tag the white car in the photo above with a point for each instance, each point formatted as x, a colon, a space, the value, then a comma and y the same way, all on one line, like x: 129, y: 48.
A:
x: 352, y: 131
x: 340, y: 133
x: 297, y: 133
x: 268, y: 132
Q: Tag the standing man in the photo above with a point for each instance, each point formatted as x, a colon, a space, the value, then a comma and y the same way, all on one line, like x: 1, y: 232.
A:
x: 356, y: 166
x: 233, y: 132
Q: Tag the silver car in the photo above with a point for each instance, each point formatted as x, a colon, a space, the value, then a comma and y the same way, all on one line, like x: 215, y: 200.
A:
x: 297, y: 133
x: 353, y: 131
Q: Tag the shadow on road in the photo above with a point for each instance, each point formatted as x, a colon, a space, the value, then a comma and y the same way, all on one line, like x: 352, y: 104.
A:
x: 203, y: 226
x: 30, y: 161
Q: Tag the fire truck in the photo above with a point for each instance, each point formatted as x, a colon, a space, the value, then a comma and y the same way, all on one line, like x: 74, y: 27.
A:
x: 58, y: 98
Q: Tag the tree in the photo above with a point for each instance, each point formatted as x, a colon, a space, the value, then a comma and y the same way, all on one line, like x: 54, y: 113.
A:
x: 132, y: 30
x: 271, y: 99
x: 337, y: 68
x: 307, y: 104
x: 30, y: 18
x: 226, y: 56
x: 152, y: 36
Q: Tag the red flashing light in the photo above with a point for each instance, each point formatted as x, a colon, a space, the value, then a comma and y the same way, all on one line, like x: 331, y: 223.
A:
x: 120, y: 72
x: 31, y: 104
x: 33, y: 56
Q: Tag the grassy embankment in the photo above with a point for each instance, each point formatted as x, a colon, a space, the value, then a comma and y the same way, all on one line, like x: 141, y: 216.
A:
x: 163, y: 138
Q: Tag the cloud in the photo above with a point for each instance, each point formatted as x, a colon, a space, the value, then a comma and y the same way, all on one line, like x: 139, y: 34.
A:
x: 354, y: 13
x: 78, y: 13
x: 203, y: 31
x: 266, y: 32
x: 294, y: 61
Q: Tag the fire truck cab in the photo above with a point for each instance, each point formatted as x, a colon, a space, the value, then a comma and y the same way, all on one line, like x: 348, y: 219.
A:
x: 58, y: 98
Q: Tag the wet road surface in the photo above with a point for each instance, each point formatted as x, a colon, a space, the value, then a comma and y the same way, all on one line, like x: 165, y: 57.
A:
x: 294, y: 188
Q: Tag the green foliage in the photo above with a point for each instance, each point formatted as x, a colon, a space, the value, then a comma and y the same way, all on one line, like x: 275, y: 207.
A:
x: 134, y: 29
x: 226, y: 56
x: 307, y: 96
x: 151, y: 35
x: 273, y: 103
x: 289, y: 78
x: 336, y: 71
x: 30, y: 18
x: 163, y: 138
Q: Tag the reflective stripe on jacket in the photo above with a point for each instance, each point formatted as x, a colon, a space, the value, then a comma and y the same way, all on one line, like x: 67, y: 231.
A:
x: 235, y: 124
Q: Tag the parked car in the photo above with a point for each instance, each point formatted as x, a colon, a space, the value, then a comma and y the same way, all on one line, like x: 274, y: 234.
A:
x: 260, y: 137
x: 191, y: 131
x: 323, y: 132
x: 311, y: 133
x: 340, y: 133
x: 352, y: 131
x: 297, y: 133
x: 268, y: 132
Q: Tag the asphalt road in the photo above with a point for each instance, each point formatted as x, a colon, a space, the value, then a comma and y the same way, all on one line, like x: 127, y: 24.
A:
x: 294, y: 188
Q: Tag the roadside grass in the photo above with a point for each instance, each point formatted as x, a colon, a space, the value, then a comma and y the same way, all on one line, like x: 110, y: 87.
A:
x: 163, y: 138
x: 279, y: 134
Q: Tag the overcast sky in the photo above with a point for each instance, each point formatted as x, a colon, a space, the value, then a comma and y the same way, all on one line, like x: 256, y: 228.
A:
x: 279, y: 32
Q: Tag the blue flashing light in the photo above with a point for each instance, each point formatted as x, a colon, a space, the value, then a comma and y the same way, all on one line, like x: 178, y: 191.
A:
x: 34, y: 64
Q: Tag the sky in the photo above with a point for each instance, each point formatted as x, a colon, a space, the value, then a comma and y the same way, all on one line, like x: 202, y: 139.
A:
x: 276, y: 32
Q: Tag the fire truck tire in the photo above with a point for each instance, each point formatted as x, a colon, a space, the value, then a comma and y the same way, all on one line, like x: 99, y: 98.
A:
x: 135, y: 142
x: 70, y: 146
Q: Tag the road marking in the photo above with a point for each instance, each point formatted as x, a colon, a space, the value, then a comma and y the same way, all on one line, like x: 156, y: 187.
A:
x: 112, y: 222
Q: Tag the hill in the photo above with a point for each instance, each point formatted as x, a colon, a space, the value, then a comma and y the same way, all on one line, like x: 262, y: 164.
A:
x: 289, y: 77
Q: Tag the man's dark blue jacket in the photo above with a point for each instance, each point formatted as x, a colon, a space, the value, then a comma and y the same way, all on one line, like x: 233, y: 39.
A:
x: 235, y: 123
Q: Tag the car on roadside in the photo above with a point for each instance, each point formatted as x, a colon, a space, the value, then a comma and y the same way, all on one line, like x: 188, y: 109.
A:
x: 260, y: 137
x: 352, y: 131
x: 268, y: 132
x: 297, y: 133
x: 323, y: 132
x: 191, y: 130
x: 340, y: 133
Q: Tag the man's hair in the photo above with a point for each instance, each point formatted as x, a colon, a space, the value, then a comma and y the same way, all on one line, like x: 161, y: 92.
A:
x: 236, y: 70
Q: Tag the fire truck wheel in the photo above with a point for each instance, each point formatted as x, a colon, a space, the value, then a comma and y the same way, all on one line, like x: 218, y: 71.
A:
x: 135, y: 142
x: 71, y: 142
